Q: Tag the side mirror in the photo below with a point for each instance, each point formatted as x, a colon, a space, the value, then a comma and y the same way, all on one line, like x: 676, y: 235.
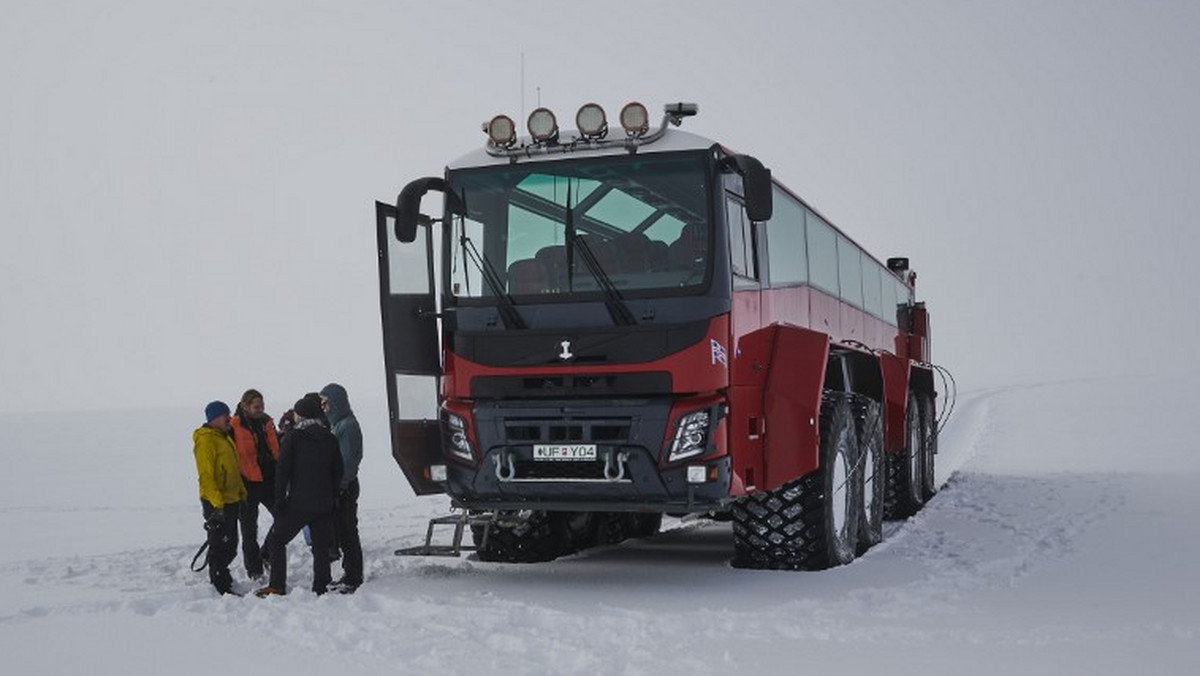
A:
x: 756, y: 183
x: 408, y: 206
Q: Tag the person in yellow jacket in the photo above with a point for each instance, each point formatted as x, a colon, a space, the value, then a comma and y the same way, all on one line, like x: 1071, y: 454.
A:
x: 221, y: 492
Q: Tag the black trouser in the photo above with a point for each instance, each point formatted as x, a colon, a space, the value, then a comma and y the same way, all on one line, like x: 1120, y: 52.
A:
x: 287, y: 525
x: 346, y: 525
x: 257, y: 493
x: 222, y: 544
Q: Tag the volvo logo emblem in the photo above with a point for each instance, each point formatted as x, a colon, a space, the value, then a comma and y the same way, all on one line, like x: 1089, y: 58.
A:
x: 565, y: 355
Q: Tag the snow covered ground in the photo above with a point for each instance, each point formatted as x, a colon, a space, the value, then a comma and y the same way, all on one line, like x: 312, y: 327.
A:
x: 1064, y: 541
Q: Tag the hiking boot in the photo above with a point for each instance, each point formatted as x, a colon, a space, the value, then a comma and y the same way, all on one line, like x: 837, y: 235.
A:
x: 269, y: 591
x: 343, y: 587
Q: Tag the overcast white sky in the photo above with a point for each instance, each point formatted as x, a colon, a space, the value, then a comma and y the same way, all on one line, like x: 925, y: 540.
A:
x: 186, y: 189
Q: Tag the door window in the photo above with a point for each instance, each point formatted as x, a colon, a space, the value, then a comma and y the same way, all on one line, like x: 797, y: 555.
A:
x: 742, y: 244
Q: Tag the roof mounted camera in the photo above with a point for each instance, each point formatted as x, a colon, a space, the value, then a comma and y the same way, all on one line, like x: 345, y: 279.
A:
x: 675, y: 112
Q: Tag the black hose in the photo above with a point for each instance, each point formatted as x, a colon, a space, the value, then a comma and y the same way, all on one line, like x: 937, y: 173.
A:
x: 949, y: 385
x: 196, y: 558
x: 949, y: 392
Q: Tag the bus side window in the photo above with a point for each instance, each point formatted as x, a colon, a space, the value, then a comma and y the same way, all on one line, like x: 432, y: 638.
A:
x: 787, y: 254
x: 850, y: 280
x: 822, y: 254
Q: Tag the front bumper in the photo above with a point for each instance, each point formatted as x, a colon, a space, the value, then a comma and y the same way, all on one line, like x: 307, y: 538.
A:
x: 626, y: 476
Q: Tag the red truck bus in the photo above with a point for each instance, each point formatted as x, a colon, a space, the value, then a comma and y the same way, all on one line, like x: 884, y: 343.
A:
x: 617, y: 328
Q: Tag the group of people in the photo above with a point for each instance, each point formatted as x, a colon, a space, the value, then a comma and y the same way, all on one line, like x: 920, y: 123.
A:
x: 305, y: 473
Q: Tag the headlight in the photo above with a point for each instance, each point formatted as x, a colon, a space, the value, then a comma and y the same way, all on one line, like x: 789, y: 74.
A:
x: 691, y: 437
x: 456, y: 429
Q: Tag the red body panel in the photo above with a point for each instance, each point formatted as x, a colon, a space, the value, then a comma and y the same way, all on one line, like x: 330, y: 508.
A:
x: 693, y: 370
x: 825, y: 313
x: 789, y: 305
x: 751, y: 362
x: 918, y: 342
x: 797, y: 364
x: 778, y: 344
x: 811, y: 308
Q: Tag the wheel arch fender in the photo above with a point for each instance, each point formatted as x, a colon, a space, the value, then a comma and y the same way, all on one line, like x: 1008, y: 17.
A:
x: 896, y: 378
x: 792, y: 403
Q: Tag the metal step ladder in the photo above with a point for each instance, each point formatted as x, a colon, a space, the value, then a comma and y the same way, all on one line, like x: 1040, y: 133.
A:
x: 460, y: 522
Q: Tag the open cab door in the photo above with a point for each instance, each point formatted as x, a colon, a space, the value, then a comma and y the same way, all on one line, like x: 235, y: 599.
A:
x: 411, y: 347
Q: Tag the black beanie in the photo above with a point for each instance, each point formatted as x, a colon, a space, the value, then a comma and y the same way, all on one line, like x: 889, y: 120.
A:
x: 308, y: 407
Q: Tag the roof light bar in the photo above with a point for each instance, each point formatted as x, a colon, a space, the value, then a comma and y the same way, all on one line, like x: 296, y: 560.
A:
x: 543, y: 127
x: 591, y: 121
x: 592, y: 124
x: 501, y: 131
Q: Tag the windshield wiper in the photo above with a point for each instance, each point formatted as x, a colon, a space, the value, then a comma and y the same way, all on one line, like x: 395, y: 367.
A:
x: 613, y: 300
x: 508, y: 307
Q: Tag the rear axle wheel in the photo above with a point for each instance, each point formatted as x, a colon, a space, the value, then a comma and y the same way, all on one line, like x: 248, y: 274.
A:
x: 906, y: 468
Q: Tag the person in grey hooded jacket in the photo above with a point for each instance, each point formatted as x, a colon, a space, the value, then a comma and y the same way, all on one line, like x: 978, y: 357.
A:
x: 344, y: 426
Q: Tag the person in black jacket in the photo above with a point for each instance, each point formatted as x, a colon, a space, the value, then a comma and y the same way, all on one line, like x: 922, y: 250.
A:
x: 307, y: 480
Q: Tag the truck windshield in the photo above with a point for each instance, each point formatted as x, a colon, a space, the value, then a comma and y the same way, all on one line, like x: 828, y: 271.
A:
x: 644, y: 219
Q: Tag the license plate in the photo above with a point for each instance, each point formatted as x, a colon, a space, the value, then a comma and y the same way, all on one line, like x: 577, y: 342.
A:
x: 565, y: 452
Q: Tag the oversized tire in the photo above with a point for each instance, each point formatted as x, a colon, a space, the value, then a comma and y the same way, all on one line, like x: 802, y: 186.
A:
x: 645, y: 525
x: 612, y: 527
x: 929, y: 436
x: 722, y: 516
x: 868, y: 423
x: 578, y: 530
x: 905, y: 469
x: 531, y: 536
x: 810, y: 523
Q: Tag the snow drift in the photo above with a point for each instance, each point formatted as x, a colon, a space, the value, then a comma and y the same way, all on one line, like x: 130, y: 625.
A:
x: 1062, y: 541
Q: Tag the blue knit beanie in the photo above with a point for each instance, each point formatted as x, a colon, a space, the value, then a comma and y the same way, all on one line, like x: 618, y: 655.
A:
x: 215, y: 410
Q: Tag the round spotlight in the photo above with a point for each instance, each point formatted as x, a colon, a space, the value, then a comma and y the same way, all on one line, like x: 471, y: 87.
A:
x: 635, y: 119
x: 501, y: 131
x: 591, y: 122
x: 542, y: 125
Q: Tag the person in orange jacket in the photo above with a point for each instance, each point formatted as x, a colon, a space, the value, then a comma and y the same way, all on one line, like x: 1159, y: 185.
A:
x: 221, y: 492
x: 257, y: 445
